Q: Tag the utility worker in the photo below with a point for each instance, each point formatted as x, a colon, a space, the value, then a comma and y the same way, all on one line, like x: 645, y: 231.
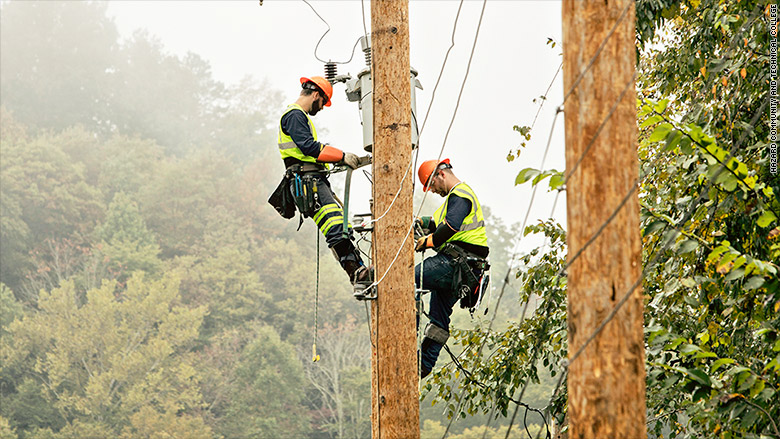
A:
x: 457, y: 233
x: 307, y: 162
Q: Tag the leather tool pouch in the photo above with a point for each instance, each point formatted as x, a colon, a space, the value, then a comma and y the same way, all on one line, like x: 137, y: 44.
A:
x: 282, y: 199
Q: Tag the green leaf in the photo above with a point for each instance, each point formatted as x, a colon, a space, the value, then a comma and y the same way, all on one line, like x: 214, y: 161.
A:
x: 766, y: 218
x: 525, y: 175
x: 660, y: 107
x: 540, y: 177
x: 687, y: 246
x: 718, y: 363
x: 557, y: 180
x: 754, y: 282
x: 660, y: 132
x: 673, y: 139
x: 735, y: 274
x: 688, y: 349
x: 654, y: 227
x: 697, y: 375
x: 651, y: 120
x: 685, y: 145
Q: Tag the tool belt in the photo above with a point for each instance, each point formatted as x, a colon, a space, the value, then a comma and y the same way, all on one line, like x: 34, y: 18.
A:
x: 304, y: 188
x: 306, y: 167
x: 298, y: 190
x: 470, y: 275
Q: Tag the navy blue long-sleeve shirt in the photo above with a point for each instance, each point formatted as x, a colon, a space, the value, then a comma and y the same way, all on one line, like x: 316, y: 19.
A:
x: 458, y: 208
x: 296, y: 125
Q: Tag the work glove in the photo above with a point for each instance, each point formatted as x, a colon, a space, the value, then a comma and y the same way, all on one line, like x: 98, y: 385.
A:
x: 351, y: 160
x: 424, y: 243
x: 426, y: 223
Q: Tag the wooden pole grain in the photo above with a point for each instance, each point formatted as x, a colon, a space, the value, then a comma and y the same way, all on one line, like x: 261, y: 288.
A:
x: 395, y: 394
x: 607, y: 381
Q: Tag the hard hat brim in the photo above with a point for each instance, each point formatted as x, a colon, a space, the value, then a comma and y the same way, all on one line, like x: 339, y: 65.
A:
x: 305, y: 80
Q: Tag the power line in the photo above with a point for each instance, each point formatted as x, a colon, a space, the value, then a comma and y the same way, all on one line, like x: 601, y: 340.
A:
x: 598, y: 51
x: 325, y: 33
x: 683, y: 220
x: 444, y: 63
x: 462, y: 87
x: 411, y: 226
x: 530, y: 205
x: 601, y: 126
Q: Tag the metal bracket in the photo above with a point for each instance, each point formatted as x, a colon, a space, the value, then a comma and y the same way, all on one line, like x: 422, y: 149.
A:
x: 364, y: 291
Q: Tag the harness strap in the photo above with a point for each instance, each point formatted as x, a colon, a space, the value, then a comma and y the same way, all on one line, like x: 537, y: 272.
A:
x: 305, y: 168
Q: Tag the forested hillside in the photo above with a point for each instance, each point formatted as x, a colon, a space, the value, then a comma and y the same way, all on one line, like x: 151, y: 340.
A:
x: 148, y: 288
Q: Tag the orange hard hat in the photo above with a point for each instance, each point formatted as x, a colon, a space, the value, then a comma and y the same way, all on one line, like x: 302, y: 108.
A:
x: 426, y: 170
x: 321, y: 83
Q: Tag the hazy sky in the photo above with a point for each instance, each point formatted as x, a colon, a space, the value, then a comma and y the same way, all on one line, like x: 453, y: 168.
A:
x: 512, y: 65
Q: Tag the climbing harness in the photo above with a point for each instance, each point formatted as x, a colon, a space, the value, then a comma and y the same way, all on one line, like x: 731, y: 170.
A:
x: 470, y: 286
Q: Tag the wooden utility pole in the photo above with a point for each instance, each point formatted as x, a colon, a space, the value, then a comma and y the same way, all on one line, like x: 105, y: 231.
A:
x: 394, y: 382
x: 607, y: 381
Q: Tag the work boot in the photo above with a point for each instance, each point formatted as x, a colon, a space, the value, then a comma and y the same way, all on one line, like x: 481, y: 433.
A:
x: 362, y: 288
x: 363, y: 275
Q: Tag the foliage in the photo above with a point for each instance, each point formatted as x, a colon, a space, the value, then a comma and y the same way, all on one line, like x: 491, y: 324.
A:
x: 125, y: 241
x: 106, y: 359
x: 495, y: 367
x: 708, y: 227
x: 709, y: 215
x: 43, y: 195
x: 252, y: 385
x: 434, y: 430
x: 147, y: 289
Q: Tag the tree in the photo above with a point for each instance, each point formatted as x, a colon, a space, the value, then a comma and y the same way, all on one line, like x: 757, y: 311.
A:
x: 709, y: 225
x: 56, y: 56
x: 177, y: 200
x: 253, y: 385
x: 125, y: 241
x: 43, y: 195
x: 116, y: 363
x: 342, y: 380
x: 225, y: 283
x: 182, y: 104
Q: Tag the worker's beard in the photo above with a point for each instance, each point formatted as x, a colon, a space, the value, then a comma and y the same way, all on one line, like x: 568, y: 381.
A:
x: 315, y: 107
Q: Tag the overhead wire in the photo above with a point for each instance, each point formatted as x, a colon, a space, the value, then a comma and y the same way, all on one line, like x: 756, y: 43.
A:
x: 598, y: 51
x: 624, y: 298
x: 323, y: 37
x: 411, y: 227
x: 558, y: 110
x: 460, y: 93
x: 530, y: 205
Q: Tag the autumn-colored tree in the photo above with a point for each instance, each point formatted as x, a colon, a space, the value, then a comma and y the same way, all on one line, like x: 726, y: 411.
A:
x: 114, y: 363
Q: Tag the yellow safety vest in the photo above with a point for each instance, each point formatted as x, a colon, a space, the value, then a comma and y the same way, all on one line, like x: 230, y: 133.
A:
x: 472, y: 231
x: 287, y: 147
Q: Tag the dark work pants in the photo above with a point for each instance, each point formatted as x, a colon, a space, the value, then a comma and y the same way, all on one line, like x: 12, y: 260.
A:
x: 330, y: 217
x: 437, y: 277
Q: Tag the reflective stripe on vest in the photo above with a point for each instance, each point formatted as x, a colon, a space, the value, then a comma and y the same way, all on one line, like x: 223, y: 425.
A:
x: 472, y: 231
x: 287, y: 147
